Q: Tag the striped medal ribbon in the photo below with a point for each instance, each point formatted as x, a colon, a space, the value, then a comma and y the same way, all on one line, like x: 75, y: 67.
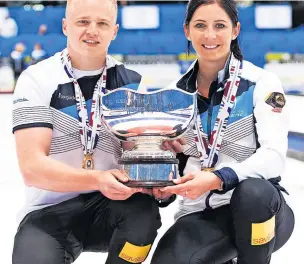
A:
x: 208, y: 152
x: 89, y: 128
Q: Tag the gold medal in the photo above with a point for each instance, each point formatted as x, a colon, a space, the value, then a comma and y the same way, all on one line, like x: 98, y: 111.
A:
x: 208, y: 169
x: 88, y: 162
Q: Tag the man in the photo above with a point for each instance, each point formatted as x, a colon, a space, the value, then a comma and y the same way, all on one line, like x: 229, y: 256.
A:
x: 76, y: 199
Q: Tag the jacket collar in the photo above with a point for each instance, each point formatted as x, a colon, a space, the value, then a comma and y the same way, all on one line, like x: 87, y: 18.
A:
x: 188, y: 80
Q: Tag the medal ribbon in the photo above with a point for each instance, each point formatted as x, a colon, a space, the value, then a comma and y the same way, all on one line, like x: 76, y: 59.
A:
x: 89, y: 128
x: 208, y: 152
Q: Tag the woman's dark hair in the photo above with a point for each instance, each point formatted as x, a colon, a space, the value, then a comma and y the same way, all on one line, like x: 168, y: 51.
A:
x: 230, y: 8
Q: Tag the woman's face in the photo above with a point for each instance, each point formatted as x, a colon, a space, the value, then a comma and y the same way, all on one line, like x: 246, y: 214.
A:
x: 211, y: 32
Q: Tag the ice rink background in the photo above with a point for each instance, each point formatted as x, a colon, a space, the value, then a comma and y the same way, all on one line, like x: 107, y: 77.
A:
x: 12, y: 196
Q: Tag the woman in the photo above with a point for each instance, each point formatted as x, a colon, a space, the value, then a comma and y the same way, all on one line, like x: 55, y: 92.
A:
x: 232, y: 202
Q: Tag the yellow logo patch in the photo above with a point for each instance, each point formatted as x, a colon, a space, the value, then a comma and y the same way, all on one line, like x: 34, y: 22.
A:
x: 262, y: 233
x: 134, y: 254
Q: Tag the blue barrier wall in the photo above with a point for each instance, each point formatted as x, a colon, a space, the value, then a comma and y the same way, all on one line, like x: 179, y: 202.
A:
x: 168, y: 39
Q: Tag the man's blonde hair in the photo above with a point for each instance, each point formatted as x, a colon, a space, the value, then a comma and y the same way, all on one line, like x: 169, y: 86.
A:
x: 69, y: 2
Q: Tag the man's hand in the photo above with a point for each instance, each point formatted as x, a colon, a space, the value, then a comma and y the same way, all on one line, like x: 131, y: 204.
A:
x: 174, y: 145
x: 110, y: 184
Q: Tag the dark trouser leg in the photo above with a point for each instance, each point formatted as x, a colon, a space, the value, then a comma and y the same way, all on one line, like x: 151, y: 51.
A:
x: 199, y: 238
x: 256, y: 201
x: 208, y: 237
x: 33, y: 245
x: 45, y: 237
x: 125, y: 229
x: 59, y: 233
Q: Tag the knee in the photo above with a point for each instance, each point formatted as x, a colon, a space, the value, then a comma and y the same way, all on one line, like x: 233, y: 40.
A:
x: 171, y: 248
x: 172, y: 253
x: 141, y: 210
x: 143, y: 206
x: 210, y: 254
x: 180, y: 245
x: 32, y: 246
x: 255, y: 193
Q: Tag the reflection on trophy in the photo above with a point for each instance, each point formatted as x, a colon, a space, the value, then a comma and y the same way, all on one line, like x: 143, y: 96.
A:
x: 147, y: 119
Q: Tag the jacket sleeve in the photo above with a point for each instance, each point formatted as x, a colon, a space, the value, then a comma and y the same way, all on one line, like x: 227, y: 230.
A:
x: 271, y: 126
x: 30, y: 104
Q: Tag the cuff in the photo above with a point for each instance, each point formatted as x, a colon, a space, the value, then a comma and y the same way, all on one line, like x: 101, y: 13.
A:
x: 229, y: 178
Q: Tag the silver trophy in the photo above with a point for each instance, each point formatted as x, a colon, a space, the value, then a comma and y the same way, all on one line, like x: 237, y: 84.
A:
x: 147, y: 119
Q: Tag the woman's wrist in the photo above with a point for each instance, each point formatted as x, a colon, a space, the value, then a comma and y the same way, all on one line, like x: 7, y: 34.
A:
x: 217, y: 183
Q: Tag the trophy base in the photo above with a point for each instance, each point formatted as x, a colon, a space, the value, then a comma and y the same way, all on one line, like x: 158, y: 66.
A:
x: 149, y: 173
x: 149, y: 184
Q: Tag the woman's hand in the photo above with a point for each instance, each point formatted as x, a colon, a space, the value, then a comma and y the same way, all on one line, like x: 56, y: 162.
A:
x: 159, y: 194
x: 194, y: 184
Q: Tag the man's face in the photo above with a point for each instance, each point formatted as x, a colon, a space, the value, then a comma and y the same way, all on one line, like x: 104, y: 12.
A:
x: 90, y: 26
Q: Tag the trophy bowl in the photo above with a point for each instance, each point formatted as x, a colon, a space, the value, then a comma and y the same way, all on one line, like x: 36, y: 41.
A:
x: 148, y: 119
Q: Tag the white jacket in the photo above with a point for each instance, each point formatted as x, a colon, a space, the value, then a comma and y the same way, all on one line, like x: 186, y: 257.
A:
x: 255, y: 141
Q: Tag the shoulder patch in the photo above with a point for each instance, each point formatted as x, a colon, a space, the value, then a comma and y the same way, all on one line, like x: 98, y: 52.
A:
x: 276, y: 100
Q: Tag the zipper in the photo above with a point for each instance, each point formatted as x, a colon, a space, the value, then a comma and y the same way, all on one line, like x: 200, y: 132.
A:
x: 209, y: 123
x: 210, y: 110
